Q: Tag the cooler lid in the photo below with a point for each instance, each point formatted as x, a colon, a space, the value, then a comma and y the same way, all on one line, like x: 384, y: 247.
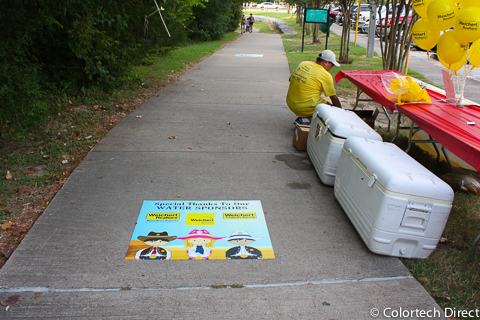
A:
x: 344, y: 123
x: 396, y: 171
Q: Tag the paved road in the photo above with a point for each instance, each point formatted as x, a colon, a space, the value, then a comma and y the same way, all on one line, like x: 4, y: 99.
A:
x: 234, y: 136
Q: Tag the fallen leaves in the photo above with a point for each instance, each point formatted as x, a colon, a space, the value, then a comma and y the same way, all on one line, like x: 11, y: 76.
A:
x: 9, y: 175
x: 7, y: 225
x: 172, y: 137
x: 7, y: 252
x: 11, y: 301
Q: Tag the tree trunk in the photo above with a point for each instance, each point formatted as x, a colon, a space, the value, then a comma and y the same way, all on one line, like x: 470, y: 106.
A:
x: 316, y: 29
x: 300, y: 15
x: 396, y: 43
x: 316, y: 26
x: 344, y: 56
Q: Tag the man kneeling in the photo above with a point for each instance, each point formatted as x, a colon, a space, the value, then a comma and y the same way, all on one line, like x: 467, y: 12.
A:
x: 307, y: 83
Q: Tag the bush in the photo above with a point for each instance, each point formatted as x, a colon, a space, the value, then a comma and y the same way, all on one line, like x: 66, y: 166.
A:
x: 214, y: 19
x: 70, y: 46
x: 21, y: 99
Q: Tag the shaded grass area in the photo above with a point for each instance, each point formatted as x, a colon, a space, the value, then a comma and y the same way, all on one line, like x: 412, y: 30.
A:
x: 448, y: 274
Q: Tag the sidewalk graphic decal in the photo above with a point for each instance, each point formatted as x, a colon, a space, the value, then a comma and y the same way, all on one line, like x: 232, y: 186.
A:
x: 249, y: 55
x: 200, y: 230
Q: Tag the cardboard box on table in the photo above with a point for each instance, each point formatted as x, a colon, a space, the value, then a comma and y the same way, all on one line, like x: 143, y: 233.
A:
x: 329, y: 129
x: 300, y: 135
x: 398, y: 207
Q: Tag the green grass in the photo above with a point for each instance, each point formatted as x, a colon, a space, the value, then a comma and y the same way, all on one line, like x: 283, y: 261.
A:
x: 161, y: 67
x: 263, y: 27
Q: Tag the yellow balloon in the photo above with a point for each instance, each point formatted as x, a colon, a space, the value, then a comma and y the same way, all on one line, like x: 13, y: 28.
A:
x: 424, y: 34
x: 469, y: 3
x: 454, y: 66
x: 474, y: 54
x: 449, y: 50
x: 421, y: 6
x: 467, y: 25
x: 442, y: 13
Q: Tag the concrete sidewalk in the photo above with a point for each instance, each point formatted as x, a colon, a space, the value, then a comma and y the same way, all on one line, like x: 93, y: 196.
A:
x: 234, y: 135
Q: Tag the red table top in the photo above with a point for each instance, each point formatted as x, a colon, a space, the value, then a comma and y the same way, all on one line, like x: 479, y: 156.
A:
x: 443, y: 121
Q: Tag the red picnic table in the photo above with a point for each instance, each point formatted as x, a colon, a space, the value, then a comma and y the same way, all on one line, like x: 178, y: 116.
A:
x: 456, y: 128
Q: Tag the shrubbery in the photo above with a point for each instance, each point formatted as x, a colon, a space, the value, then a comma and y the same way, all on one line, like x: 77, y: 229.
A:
x: 50, y: 47
x: 215, y: 18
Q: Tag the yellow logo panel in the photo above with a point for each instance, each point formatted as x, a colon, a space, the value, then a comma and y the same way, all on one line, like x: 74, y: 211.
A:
x: 200, y: 219
x: 163, y: 216
x: 240, y: 215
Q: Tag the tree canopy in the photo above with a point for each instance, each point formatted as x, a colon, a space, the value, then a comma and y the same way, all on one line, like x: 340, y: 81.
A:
x: 68, y: 45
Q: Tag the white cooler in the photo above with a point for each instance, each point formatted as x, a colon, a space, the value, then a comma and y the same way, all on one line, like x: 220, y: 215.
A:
x: 398, y: 207
x: 329, y: 128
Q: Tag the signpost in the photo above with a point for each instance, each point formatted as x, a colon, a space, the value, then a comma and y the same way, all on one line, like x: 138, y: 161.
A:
x: 316, y: 16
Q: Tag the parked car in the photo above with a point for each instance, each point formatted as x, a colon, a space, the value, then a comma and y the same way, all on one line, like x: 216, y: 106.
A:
x: 333, y: 13
x: 381, y: 24
x: 268, y: 5
x: 364, y: 25
x: 339, y: 17
x: 364, y: 14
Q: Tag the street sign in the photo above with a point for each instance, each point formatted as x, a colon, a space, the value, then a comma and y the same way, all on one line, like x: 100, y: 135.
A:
x: 316, y: 15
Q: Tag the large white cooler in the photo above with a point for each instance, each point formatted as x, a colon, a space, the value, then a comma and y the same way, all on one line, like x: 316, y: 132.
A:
x: 329, y: 128
x: 398, y: 207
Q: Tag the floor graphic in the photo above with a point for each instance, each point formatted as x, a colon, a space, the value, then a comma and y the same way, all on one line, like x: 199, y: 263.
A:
x: 249, y: 55
x: 200, y: 230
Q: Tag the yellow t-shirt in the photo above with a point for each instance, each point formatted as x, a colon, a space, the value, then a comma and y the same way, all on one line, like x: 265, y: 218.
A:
x: 307, y: 82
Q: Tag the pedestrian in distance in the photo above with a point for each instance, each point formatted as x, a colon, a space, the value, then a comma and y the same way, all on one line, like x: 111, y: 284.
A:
x: 242, y: 25
x: 308, y: 82
x: 251, y: 20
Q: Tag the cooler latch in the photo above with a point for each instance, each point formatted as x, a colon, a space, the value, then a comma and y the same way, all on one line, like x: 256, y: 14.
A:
x: 325, y: 130
x: 372, y: 180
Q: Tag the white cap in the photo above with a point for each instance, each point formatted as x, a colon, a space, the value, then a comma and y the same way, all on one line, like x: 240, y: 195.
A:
x: 329, y: 56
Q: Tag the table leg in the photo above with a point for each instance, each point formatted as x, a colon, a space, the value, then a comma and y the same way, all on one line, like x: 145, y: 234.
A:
x: 399, y: 119
x: 474, y: 245
x: 388, y: 117
x: 447, y: 158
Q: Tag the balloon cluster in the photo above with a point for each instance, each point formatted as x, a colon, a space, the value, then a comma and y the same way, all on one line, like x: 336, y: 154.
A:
x: 453, y: 46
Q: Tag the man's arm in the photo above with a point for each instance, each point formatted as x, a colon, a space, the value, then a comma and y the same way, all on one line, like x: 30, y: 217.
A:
x: 336, y: 101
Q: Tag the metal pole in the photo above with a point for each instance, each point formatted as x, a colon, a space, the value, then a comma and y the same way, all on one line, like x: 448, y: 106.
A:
x: 356, y: 25
x: 162, y: 18
x: 371, y: 30
x: 303, y: 33
x: 328, y: 28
